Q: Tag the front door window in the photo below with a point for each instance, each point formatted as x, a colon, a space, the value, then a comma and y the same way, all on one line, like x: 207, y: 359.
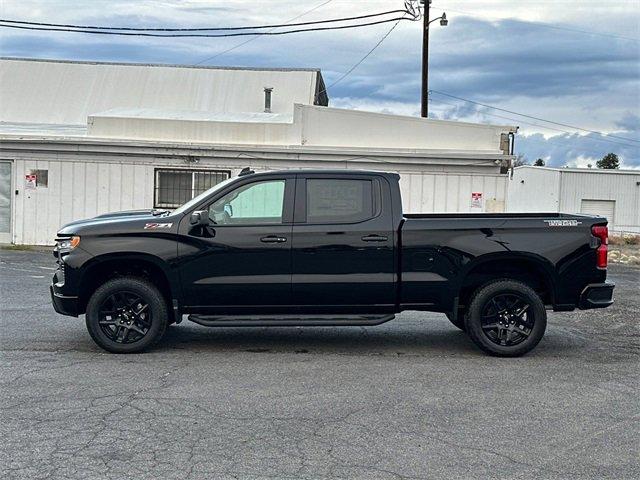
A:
x: 259, y: 203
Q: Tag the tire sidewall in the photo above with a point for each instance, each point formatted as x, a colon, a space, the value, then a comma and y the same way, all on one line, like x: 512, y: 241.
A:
x: 149, y: 293
x: 473, y: 317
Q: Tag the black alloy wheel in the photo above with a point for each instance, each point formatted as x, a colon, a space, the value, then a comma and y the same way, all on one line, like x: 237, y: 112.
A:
x: 124, y: 317
x: 127, y: 315
x: 506, y: 318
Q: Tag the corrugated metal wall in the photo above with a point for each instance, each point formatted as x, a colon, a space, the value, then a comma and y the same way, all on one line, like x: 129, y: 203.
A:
x: 536, y: 189
x: 622, y: 188
x: 443, y: 192
x: 85, y: 187
x: 75, y: 190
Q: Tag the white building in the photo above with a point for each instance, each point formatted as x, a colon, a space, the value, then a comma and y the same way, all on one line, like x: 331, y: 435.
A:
x: 614, y: 194
x: 78, y: 139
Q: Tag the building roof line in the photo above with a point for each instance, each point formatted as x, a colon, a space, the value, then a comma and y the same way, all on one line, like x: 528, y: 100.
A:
x: 583, y: 170
x: 90, y: 143
x: 167, y: 65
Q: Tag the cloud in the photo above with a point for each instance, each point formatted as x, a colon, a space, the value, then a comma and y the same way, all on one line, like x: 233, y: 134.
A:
x: 571, y: 77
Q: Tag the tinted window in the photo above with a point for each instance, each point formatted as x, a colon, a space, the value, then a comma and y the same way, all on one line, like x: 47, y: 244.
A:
x: 255, y: 203
x: 339, y: 201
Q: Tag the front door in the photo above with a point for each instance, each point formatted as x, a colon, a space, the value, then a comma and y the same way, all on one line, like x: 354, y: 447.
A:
x: 242, y: 261
x: 5, y: 202
x: 343, y: 244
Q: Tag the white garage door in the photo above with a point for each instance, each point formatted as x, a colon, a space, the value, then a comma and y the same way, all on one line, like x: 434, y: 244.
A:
x: 603, y: 208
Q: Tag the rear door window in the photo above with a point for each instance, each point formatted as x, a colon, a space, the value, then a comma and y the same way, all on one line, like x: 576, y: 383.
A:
x: 339, y: 200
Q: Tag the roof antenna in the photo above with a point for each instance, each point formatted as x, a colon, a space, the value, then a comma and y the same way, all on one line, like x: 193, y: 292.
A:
x: 245, y: 171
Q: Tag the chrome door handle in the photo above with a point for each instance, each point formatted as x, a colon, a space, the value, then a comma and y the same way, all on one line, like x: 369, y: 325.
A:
x: 374, y: 238
x: 273, y: 239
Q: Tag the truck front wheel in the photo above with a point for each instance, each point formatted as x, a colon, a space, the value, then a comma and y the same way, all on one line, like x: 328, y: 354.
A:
x: 126, y: 315
x: 506, y: 318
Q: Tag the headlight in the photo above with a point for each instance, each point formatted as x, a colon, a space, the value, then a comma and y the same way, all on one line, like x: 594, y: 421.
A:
x: 68, y: 243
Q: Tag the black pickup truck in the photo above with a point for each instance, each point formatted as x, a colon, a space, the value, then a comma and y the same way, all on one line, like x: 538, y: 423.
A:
x: 325, y: 248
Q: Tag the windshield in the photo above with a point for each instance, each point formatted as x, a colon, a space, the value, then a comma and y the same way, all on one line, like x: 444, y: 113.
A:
x: 199, y: 198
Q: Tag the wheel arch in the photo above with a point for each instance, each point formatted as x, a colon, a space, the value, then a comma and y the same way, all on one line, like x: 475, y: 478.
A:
x: 531, y: 269
x: 105, y: 267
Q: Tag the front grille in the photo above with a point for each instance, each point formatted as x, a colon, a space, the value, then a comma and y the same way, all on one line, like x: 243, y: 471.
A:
x: 59, y: 275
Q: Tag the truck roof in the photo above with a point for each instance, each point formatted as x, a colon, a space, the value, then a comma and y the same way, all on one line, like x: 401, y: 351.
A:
x: 335, y: 171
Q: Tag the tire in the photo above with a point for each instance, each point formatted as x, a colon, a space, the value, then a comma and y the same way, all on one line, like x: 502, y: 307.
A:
x: 118, y: 328
x: 458, y: 322
x: 506, y: 318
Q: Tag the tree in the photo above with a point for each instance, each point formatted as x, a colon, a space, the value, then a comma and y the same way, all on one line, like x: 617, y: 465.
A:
x: 539, y: 163
x: 520, y: 160
x: 609, y: 161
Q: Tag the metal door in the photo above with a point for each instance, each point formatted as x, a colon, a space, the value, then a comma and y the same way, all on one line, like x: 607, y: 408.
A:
x: 5, y: 202
x: 603, y: 208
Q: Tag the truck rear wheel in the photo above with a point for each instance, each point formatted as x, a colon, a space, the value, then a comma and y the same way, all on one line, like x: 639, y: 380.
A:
x: 506, y: 318
x: 126, y: 315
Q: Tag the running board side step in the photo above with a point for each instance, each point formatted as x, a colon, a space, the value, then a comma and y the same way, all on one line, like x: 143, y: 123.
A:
x: 290, y: 320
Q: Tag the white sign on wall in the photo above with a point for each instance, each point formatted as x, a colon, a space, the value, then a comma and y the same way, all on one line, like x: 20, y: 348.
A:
x: 476, y: 200
x: 30, y: 182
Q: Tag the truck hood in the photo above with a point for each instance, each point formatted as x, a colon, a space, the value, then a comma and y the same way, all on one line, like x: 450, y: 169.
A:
x: 114, y: 221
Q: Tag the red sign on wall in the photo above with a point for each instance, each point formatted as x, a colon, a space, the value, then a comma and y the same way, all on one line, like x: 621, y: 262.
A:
x: 476, y: 200
x: 30, y: 182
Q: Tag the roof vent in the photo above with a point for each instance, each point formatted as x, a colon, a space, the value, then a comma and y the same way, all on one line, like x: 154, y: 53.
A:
x: 267, y: 99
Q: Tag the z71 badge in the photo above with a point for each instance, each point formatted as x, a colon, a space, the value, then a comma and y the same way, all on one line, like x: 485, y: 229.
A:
x: 563, y: 223
x: 155, y: 226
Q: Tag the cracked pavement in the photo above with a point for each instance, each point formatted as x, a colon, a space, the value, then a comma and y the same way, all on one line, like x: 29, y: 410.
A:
x: 412, y: 398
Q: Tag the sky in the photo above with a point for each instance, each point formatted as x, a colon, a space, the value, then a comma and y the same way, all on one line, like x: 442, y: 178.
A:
x: 576, y: 62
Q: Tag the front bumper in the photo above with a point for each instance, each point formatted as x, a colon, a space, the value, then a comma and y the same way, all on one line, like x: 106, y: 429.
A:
x: 596, y: 295
x: 63, y: 304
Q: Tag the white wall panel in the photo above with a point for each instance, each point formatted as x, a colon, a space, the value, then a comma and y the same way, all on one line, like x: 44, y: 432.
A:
x: 537, y: 189
x: 82, y: 187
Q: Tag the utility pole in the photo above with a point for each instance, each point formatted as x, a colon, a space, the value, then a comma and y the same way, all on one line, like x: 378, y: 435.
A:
x: 425, y: 59
x: 425, y: 52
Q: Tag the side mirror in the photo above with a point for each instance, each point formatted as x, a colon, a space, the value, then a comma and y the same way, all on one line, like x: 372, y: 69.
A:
x: 199, y: 217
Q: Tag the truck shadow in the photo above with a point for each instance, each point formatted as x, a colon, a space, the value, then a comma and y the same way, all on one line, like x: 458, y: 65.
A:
x: 397, y: 338
x: 390, y: 339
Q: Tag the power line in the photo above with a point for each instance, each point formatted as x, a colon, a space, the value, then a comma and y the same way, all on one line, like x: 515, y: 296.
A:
x: 200, y: 35
x: 204, y: 29
x: 540, y: 119
x: 548, y: 25
x: 567, y: 143
x: 242, y: 44
x: 520, y: 121
x: 359, y: 62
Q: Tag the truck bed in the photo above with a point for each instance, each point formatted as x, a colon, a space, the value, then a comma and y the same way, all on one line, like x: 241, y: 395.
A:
x: 549, y: 215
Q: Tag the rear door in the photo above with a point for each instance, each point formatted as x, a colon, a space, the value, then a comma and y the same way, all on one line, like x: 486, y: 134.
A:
x: 343, y: 241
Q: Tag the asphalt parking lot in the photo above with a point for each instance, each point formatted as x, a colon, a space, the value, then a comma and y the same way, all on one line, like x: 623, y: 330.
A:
x: 409, y: 399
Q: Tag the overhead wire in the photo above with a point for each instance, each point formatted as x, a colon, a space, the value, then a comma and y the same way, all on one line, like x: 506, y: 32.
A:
x: 359, y: 62
x: 626, y: 139
x: 251, y: 39
x: 203, y: 29
x: 202, y: 35
x: 520, y: 121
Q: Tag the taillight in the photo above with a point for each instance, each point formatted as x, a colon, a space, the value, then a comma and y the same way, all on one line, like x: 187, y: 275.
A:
x: 601, y: 232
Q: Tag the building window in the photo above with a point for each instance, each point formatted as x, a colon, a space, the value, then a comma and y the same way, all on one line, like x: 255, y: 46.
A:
x: 42, y: 177
x: 173, y: 187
